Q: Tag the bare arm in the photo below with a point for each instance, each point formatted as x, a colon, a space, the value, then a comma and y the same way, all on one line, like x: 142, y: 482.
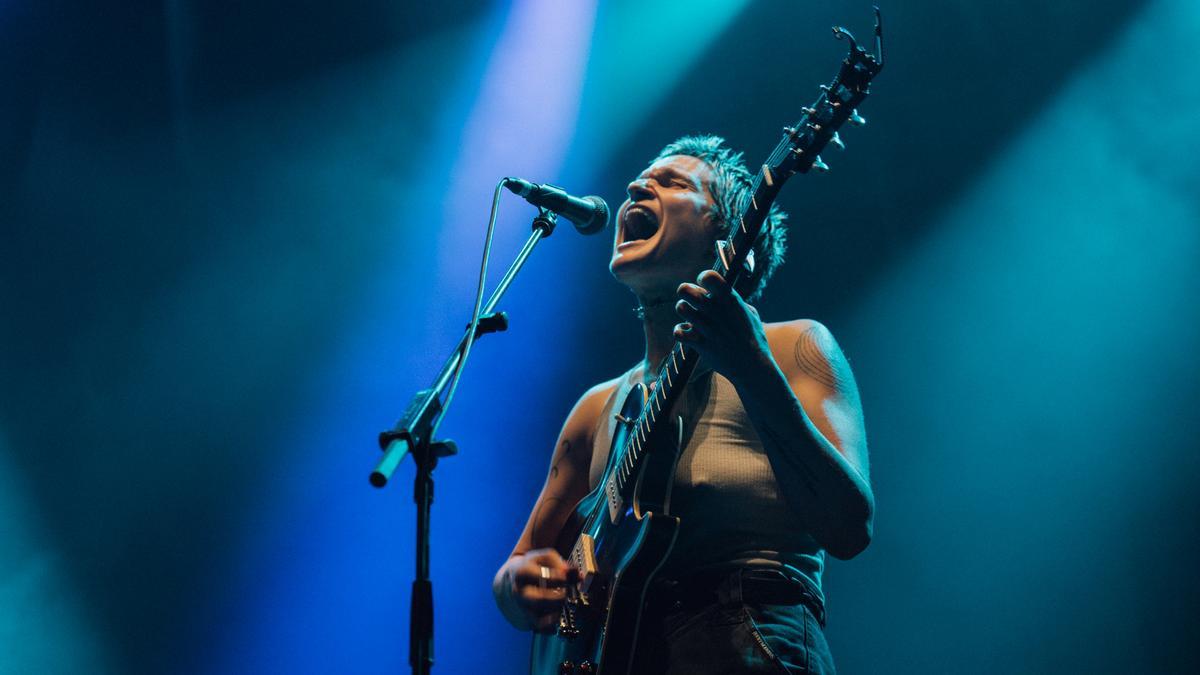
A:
x: 525, y: 596
x: 805, y: 406
x: 797, y: 389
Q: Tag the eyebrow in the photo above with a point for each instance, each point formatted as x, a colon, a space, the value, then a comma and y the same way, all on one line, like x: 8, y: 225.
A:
x: 672, y: 172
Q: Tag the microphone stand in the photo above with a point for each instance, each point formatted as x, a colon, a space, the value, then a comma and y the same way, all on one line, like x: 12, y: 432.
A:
x: 412, y: 435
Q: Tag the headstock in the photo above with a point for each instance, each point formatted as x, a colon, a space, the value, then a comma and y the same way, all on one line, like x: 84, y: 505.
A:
x: 799, y: 151
x: 802, y: 143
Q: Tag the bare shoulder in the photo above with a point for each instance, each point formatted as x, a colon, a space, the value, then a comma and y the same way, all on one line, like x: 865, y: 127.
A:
x: 594, y: 399
x: 806, y: 350
x: 582, y: 420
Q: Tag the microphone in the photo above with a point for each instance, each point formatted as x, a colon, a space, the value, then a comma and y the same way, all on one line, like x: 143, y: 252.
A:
x: 589, y: 214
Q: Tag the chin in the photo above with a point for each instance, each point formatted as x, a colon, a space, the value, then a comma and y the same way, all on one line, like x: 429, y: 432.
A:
x: 630, y: 271
x: 622, y: 268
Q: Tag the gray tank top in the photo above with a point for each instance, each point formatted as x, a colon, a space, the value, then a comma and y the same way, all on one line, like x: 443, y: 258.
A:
x: 725, y: 493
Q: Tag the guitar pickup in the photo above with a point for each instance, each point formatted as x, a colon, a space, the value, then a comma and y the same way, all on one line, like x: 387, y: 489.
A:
x: 584, y: 558
x: 613, y: 496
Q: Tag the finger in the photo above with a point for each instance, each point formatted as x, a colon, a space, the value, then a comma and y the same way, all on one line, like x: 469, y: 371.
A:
x: 686, y: 332
x: 549, y: 557
x: 693, y: 294
x: 713, y: 282
x: 542, y: 600
x: 696, y: 322
x: 532, y: 576
x: 544, y: 568
x: 688, y: 311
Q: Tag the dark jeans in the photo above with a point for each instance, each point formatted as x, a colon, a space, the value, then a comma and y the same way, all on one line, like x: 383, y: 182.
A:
x: 725, y: 633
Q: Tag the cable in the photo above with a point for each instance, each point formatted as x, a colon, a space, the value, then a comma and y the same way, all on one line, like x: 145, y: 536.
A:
x: 466, y: 351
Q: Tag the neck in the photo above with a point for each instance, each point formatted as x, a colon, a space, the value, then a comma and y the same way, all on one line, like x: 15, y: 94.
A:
x: 658, y: 322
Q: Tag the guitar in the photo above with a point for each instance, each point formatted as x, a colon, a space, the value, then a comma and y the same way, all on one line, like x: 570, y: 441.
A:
x: 620, y: 534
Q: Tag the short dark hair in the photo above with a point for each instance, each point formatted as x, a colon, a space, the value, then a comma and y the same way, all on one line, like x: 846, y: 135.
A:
x: 731, y: 192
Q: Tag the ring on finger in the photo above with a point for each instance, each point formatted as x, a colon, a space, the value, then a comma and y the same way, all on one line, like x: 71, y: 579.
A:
x: 545, y: 576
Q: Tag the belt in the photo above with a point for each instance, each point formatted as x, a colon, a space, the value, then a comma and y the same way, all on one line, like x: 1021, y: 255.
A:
x: 757, y: 586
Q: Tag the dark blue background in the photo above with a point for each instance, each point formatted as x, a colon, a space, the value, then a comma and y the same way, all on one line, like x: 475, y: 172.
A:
x: 237, y: 236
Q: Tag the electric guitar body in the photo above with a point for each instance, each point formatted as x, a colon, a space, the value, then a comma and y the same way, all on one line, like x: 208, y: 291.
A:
x: 617, y: 561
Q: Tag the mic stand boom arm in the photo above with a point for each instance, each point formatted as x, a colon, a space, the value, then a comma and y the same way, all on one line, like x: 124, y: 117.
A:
x: 411, y: 434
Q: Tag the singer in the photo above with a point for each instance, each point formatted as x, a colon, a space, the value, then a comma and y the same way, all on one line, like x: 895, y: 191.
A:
x: 773, y: 470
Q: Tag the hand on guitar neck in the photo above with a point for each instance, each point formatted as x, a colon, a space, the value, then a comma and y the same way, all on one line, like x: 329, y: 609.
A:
x: 722, y: 327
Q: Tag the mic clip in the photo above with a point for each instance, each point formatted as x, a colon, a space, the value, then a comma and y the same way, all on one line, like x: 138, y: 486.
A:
x: 545, y: 221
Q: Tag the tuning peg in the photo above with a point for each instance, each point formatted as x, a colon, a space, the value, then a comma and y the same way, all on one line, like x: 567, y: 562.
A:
x: 856, y: 119
x: 836, y: 141
x: 820, y: 165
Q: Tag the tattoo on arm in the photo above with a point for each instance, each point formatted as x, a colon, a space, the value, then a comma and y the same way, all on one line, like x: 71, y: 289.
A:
x: 818, y: 357
x: 565, y: 450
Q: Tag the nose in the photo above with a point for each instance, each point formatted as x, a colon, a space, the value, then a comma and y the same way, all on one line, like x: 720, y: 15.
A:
x: 639, y: 190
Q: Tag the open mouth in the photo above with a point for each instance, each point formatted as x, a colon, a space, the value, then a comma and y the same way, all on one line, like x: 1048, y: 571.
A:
x: 639, y: 223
